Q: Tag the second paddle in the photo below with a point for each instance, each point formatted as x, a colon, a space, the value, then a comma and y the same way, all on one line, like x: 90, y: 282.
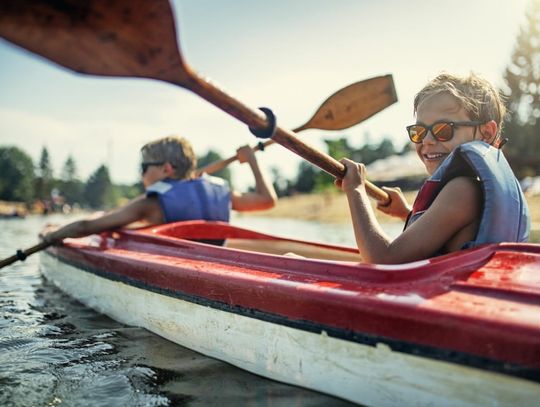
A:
x: 343, y: 109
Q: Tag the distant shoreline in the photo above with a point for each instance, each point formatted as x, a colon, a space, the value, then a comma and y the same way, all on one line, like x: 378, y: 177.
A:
x: 332, y: 207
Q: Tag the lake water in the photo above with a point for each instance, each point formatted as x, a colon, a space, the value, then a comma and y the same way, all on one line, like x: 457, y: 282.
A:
x: 56, y: 352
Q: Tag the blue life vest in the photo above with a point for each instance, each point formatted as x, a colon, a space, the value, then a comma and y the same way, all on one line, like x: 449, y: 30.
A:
x: 505, y: 214
x: 205, y: 198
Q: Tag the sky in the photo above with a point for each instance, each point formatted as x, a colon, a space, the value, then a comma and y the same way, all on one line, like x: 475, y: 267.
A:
x: 289, y: 55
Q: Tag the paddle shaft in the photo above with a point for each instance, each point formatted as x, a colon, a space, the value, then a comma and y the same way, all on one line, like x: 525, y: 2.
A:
x: 22, y: 255
x: 256, y: 119
x: 345, y: 108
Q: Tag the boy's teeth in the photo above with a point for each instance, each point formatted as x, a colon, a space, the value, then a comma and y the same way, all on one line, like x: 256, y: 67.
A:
x: 431, y: 156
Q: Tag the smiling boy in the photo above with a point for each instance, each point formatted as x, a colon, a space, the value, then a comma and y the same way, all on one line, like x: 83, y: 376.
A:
x: 471, y: 196
x: 174, y: 194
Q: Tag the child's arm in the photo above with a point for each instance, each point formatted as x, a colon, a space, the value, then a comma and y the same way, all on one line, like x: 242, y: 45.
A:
x: 452, y: 218
x: 264, y: 196
x: 141, y: 208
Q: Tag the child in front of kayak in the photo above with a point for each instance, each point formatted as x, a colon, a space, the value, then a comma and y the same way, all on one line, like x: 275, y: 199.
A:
x: 471, y: 197
x: 173, y: 193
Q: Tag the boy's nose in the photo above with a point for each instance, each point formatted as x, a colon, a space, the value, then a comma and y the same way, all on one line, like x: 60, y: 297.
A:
x: 429, y: 138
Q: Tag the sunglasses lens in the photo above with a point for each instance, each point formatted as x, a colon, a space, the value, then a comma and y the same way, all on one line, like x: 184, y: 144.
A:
x: 417, y: 133
x: 144, y: 167
x: 443, y: 131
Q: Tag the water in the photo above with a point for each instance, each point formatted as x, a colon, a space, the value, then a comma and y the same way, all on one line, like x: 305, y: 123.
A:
x: 56, y: 352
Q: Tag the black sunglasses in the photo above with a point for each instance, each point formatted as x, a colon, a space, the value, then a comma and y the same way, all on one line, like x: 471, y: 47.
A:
x: 442, y: 130
x: 144, y: 166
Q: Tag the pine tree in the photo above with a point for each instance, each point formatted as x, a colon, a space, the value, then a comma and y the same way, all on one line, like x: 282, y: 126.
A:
x: 522, y: 77
x: 99, y: 191
x: 71, y: 187
x: 44, y: 175
x: 69, y: 170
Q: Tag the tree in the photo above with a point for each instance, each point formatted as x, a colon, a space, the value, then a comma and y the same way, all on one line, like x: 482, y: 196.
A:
x: 311, y: 178
x: 369, y: 153
x: 98, y: 191
x: 210, y: 157
x: 44, y: 175
x: 385, y: 149
x: 337, y: 149
x: 305, y: 181
x: 16, y: 175
x: 123, y: 193
x: 522, y: 79
x: 72, y: 189
x: 280, y: 183
x: 69, y: 170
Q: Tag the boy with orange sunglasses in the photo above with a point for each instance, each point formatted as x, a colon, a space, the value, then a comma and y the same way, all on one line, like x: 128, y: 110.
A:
x: 471, y: 197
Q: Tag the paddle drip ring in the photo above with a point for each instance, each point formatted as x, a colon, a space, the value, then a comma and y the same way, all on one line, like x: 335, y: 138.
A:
x: 270, y: 129
x: 21, y: 255
x: 260, y: 144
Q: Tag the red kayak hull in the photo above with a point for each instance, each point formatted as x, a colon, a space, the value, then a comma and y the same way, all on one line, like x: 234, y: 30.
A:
x: 478, y: 308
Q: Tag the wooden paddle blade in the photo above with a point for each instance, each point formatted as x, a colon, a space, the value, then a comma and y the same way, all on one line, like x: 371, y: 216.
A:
x: 354, y: 104
x: 135, y: 38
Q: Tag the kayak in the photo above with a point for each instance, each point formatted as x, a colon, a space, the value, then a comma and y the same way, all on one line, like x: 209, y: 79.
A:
x: 456, y: 330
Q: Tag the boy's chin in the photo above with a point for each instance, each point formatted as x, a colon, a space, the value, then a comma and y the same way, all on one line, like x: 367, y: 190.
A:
x: 431, y: 167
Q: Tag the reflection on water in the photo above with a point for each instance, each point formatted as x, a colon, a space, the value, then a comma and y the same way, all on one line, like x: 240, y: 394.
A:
x: 54, y: 351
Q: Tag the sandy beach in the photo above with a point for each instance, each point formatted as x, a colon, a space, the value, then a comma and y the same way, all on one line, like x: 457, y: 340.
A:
x: 332, y: 207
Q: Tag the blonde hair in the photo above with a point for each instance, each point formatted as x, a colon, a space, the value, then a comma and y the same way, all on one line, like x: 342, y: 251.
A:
x: 476, y: 95
x: 174, y: 150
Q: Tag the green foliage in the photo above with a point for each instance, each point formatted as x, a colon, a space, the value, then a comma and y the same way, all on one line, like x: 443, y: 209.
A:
x: 128, y: 191
x: 210, y: 157
x: 16, y: 175
x: 18, y: 182
x: 522, y: 77
x: 44, y: 180
x: 99, y: 192
x: 69, y: 170
x: 311, y: 178
x: 338, y: 149
x: 71, y: 188
x: 369, y: 153
x: 305, y: 181
x: 281, y: 184
x: 72, y: 191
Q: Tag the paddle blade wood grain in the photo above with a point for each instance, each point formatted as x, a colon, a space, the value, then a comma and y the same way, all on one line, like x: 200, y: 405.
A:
x: 100, y: 37
x: 353, y: 104
x: 132, y: 38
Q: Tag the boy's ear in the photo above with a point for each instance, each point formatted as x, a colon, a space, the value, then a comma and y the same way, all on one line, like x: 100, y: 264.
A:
x: 488, y: 131
x: 169, y: 169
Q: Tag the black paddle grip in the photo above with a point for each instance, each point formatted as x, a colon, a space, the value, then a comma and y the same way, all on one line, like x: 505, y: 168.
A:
x: 270, y: 129
x: 21, y: 255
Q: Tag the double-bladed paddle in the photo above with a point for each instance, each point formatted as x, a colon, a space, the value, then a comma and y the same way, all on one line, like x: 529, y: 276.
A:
x: 343, y: 109
x: 134, y: 38
x: 23, y: 254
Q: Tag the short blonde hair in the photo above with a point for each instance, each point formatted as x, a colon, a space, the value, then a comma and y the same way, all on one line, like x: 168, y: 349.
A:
x: 175, y: 150
x: 476, y: 95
